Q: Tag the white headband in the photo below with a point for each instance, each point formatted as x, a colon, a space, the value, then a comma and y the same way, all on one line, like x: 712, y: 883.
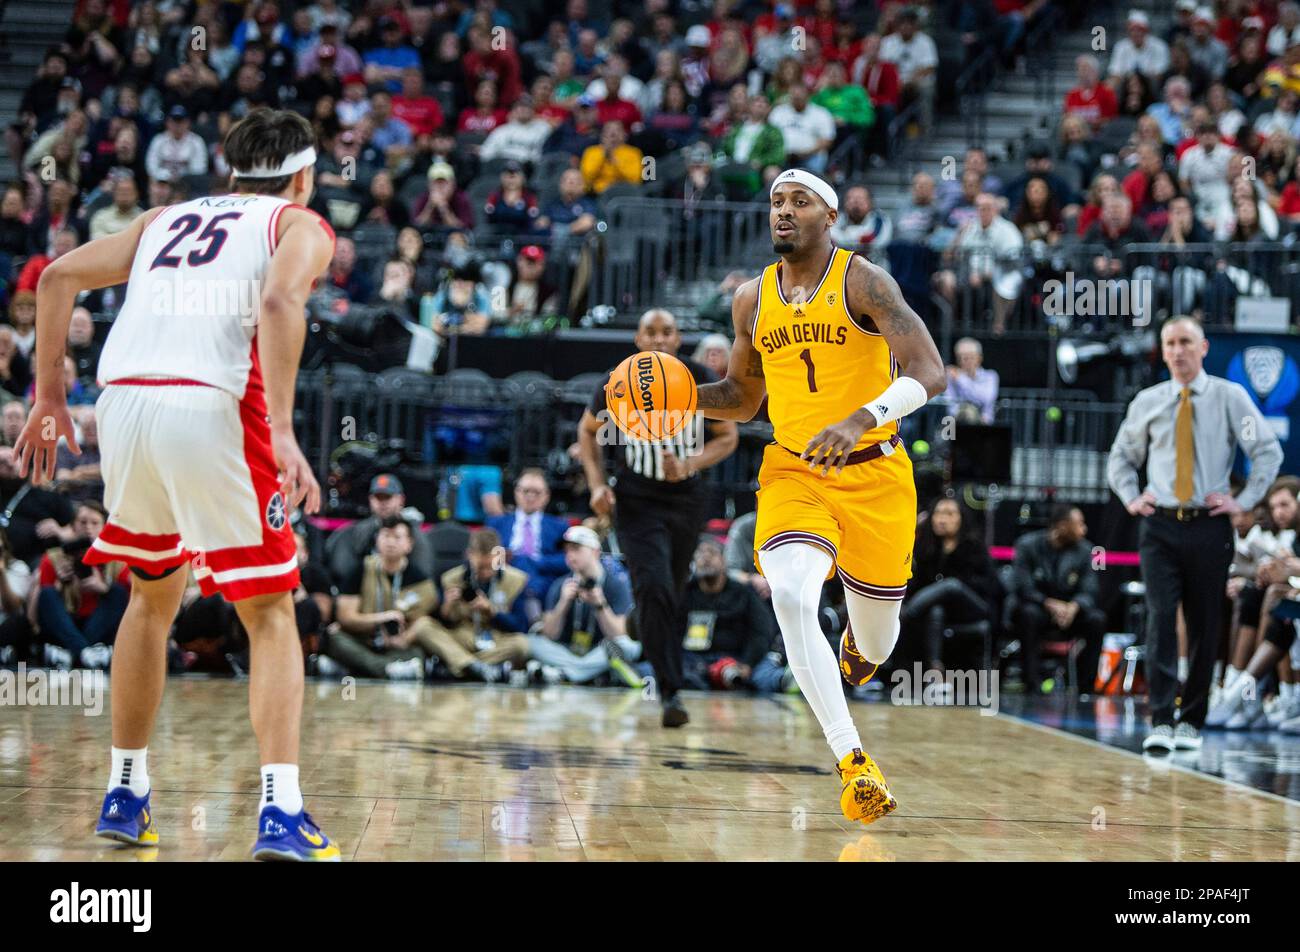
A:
x: 299, y: 160
x: 807, y: 179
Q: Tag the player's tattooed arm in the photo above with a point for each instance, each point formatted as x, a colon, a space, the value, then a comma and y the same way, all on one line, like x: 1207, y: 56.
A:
x: 875, y: 294
x: 738, y: 395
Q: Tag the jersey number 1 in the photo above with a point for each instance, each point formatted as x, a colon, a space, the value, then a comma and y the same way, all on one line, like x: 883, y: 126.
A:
x: 806, y: 356
x: 185, y: 226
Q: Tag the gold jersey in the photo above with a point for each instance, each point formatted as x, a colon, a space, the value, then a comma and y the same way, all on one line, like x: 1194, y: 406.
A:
x: 820, y: 366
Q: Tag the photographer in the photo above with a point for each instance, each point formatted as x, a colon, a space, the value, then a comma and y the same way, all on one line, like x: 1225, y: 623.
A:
x: 584, y: 628
x: 482, y: 613
x: 15, y: 583
x: 34, y: 518
x: 383, y: 610
x: 77, y: 607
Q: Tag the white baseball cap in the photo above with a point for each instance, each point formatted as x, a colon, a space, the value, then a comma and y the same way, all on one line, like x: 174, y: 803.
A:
x: 581, y: 535
x: 699, y: 35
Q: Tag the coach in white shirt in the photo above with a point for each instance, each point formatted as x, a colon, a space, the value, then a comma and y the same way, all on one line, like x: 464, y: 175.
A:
x: 520, y: 138
x: 1139, y: 51
x: 176, y: 152
x: 917, y: 58
x: 807, y: 128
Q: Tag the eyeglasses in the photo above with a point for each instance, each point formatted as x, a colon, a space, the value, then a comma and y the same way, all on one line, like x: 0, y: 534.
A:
x: 529, y: 490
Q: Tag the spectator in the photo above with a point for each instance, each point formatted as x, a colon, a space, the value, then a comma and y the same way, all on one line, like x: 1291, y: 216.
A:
x: 347, y: 547
x: 38, y: 518
x: 964, y: 211
x: 970, y: 383
x: 530, y: 294
x: 917, y: 59
x: 616, y: 85
x: 755, y: 147
x: 389, y: 135
x: 1205, y: 49
x: 1091, y: 99
x: 481, y: 621
x: 695, y: 60
x: 1115, y: 229
x: 14, y: 418
x: 355, y: 105
x: 583, y: 632
x: 65, y: 240
x: 1038, y: 164
x: 1137, y: 184
x: 384, y: 205
x: 952, y: 582
x: 1135, y: 95
x: 1155, y: 210
x: 384, y: 64
x: 578, y: 132
x: 740, y: 555
x: 13, y: 228
x: 917, y: 220
x: 1283, y: 118
x: 22, y: 309
x: 1055, y: 593
x: 880, y: 80
x: 1203, y: 172
x: 1174, y: 112
x: 332, y: 52
x: 1139, y: 51
x: 847, y: 103
x: 729, y: 629
x: 512, y: 209
x: 1247, y: 69
x: 485, y: 115
x: 78, y: 475
x: 421, y: 113
x: 77, y: 607
x: 497, y: 62
x: 443, y: 206
x: 612, y: 161
x: 1182, y: 65
x: 952, y: 191
x: 774, y: 36
x: 714, y: 352
x: 675, y: 120
x: 1286, y: 32
x: 384, y: 607
x: 533, y: 536
x: 177, y: 151
x: 15, y: 586
x: 119, y: 215
x: 861, y: 227
x: 808, y: 129
x: 519, y: 139
x: 344, y: 273
x: 461, y: 305
x: 572, y: 212
x: 990, y: 248
x: 1103, y: 186
x: 15, y: 371
x: 1039, y: 219
x: 397, y: 289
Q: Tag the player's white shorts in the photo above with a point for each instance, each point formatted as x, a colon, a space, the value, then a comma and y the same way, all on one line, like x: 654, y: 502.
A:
x: 189, y: 476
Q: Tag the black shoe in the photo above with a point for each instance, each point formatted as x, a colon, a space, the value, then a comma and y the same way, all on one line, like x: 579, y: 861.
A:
x: 675, y: 713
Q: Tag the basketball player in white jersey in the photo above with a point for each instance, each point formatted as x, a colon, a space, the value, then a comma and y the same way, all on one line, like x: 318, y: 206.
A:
x: 201, y: 467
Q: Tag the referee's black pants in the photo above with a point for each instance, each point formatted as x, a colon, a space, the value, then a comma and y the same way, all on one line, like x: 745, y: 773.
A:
x: 1183, y: 562
x: 658, y: 539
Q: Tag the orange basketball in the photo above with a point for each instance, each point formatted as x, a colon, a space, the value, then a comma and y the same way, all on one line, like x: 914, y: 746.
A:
x: 651, y: 396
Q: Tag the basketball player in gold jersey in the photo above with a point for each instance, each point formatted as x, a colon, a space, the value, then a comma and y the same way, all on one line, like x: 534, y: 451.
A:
x: 828, y: 336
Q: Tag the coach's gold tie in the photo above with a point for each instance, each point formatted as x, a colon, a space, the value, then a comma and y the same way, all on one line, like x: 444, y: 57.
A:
x: 1184, y: 448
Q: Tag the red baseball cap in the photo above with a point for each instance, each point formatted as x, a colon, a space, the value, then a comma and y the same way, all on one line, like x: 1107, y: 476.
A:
x: 533, y: 253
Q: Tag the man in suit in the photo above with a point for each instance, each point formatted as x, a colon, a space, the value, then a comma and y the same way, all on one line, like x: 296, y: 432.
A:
x: 534, y: 538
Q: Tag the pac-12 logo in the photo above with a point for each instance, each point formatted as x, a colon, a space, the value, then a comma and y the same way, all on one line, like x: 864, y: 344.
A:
x: 275, y: 512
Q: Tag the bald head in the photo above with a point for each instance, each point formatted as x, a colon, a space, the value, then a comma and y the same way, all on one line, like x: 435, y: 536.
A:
x: 657, y: 330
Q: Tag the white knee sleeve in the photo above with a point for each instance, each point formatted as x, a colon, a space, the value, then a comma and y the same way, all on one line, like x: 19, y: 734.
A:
x: 875, y: 625
x: 796, y: 572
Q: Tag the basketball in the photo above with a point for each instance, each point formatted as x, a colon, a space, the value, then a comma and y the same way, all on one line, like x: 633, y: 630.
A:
x: 651, y: 396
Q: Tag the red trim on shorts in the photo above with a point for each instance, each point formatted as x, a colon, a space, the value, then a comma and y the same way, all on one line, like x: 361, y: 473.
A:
x: 164, y: 547
x: 156, y: 382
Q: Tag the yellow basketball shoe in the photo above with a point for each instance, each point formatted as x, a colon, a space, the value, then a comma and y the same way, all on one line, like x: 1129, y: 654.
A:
x: 856, y: 669
x: 865, y: 795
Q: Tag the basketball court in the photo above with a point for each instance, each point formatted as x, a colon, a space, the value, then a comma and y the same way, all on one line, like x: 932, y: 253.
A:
x: 406, y: 772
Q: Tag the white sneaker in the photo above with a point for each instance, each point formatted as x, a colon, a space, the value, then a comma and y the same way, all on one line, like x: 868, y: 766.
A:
x: 1249, y: 716
x: 1187, y: 737
x: 56, y: 657
x: 1290, y: 727
x: 1274, y: 710
x: 96, y: 657
x: 412, y: 669
x: 327, y: 667
x: 1228, y: 705
x: 1160, y: 738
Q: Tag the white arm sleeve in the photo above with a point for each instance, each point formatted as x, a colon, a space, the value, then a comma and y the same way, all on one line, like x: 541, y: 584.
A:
x: 899, y: 399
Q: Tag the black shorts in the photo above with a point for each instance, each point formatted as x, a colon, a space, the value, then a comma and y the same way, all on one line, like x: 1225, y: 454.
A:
x: 1282, y: 632
x: 1249, y: 603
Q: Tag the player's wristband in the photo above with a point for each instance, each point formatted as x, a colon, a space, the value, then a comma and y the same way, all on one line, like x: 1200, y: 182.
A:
x: 899, y: 399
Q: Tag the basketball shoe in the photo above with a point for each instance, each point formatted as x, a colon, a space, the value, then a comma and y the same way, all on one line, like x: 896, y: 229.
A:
x: 127, y: 818
x: 865, y: 796
x: 856, y: 669
x: 294, y: 838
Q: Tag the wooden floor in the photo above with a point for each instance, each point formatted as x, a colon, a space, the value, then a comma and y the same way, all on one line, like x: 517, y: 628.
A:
x: 404, y: 772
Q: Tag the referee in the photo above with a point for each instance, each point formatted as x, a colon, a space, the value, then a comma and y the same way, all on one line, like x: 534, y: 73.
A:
x: 1187, y: 430
x: 661, y: 507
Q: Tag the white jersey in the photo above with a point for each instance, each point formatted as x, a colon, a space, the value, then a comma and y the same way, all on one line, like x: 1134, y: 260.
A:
x: 194, y: 294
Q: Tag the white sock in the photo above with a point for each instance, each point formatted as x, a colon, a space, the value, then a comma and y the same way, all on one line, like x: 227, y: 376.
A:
x: 1182, y: 669
x: 796, y: 572
x: 280, y: 788
x: 875, y: 624
x: 131, y: 770
x: 1284, y: 690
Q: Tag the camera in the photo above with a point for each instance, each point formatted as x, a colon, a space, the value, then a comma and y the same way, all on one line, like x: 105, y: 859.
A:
x: 74, y: 550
